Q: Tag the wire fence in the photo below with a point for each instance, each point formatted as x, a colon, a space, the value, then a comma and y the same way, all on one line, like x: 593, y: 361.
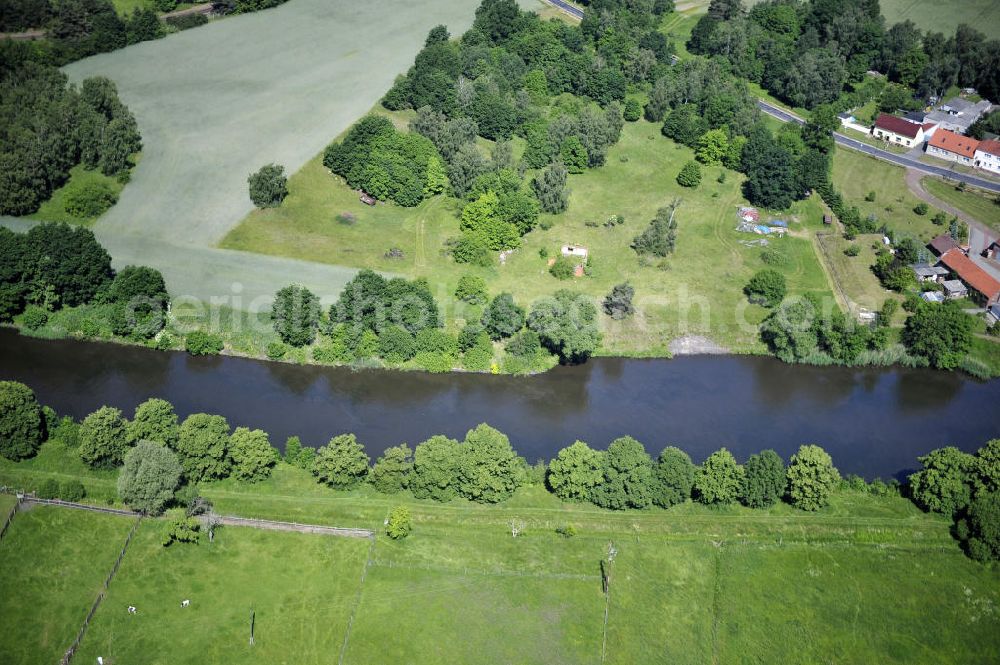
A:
x: 68, y: 656
x: 10, y: 515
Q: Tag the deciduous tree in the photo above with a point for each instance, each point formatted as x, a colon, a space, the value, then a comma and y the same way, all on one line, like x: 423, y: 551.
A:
x: 149, y: 477
x: 718, y: 479
x: 252, y: 453
x: 203, y: 447
x: 763, y: 480
x: 575, y: 472
x: 104, y: 438
x: 342, y: 463
x: 22, y: 427
x: 391, y: 472
x: 811, y: 478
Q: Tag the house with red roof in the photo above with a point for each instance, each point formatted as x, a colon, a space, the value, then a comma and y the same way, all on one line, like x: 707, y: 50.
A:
x: 988, y: 156
x: 983, y: 287
x: 900, y: 131
x: 953, y: 147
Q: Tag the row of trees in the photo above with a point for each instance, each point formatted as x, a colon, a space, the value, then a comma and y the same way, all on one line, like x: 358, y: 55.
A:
x: 625, y: 476
x: 47, y: 127
x: 158, y: 454
x: 58, y: 265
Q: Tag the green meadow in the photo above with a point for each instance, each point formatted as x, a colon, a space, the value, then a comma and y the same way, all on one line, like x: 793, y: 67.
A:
x: 867, y: 579
x: 53, y: 562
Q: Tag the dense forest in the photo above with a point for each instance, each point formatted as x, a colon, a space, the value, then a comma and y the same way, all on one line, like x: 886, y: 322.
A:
x: 809, y: 53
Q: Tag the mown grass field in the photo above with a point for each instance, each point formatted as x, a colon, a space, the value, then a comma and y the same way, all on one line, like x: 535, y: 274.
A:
x: 857, y: 175
x: 864, y: 580
x: 52, y: 564
x: 980, y: 206
x: 703, y: 278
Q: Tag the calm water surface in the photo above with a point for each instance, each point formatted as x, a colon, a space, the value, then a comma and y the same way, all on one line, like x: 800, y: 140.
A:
x: 873, y: 421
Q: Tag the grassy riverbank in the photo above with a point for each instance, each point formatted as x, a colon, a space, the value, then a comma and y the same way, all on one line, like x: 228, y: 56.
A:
x: 689, y: 584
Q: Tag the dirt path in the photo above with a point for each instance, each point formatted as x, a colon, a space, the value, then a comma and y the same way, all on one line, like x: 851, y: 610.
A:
x: 913, y: 182
x: 695, y: 345
x: 230, y: 520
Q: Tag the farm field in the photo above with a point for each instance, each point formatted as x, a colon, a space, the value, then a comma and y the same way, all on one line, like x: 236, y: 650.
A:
x: 982, y: 15
x: 270, y: 86
x: 52, y: 564
x: 689, y: 585
x: 639, y: 178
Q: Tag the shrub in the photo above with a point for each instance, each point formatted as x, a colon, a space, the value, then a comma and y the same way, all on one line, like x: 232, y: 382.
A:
x: 72, y: 490
x: 562, y: 269
x: 568, y: 530
x: 472, y: 289
x: 199, y: 343
x: 618, y: 303
x: 396, y: 344
x: 276, y: 350
x: 268, y: 186
x: 921, y: 208
x: 399, y: 524
x: 49, y: 489
x: 767, y: 287
x: 774, y: 257
x: 34, y: 317
x: 852, y: 250
x: 690, y: 175
x: 870, y: 196
x: 182, y: 530
x: 633, y: 110
x: 22, y: 427
x: 90, y: 200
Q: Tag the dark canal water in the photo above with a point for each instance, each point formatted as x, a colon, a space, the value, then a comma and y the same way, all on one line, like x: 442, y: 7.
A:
x: 873, y: 421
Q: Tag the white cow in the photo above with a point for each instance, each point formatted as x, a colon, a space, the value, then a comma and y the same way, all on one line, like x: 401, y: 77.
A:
x: 131, y: 609
x: 185, y: 603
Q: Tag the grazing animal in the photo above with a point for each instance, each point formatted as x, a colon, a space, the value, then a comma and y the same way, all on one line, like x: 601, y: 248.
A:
x: 100, y: 660
x: 131, y: 609
x: 185, y: 603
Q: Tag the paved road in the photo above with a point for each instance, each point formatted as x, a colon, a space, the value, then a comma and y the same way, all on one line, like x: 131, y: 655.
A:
x: 575, y: 12
x: 900, y: 160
